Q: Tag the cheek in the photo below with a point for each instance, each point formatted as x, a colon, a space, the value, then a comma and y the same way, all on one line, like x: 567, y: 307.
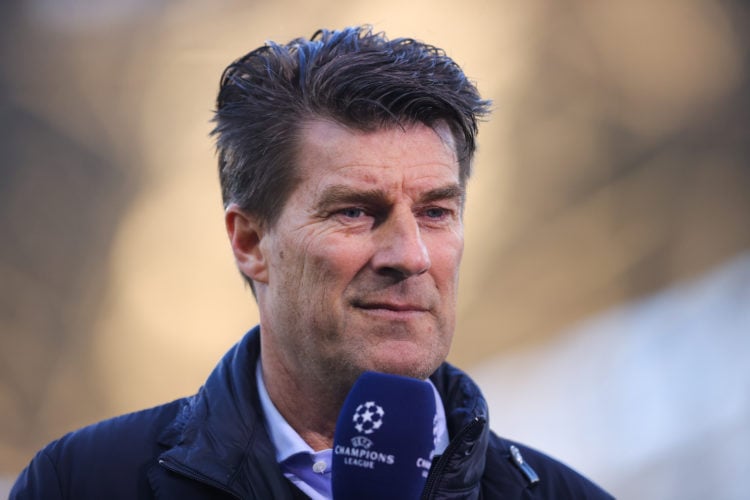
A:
x: 337, y: 258
x: 446, y: 261
x: 313, y: 276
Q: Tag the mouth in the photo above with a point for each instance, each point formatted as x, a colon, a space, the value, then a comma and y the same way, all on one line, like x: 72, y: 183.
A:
x: 392, y: 309
x: 390, y: 305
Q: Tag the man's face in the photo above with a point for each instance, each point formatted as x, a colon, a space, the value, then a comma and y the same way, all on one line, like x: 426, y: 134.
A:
x: 362, y: 264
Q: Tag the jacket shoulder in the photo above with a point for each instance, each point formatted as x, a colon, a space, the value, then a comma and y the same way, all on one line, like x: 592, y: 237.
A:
x: 553, y: 478
x: 108, y: 459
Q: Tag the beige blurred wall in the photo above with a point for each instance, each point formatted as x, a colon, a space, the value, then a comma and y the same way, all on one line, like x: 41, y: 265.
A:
x: 615, y: 164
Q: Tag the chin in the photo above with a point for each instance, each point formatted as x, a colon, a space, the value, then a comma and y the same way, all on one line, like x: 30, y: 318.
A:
x: 416, y: 365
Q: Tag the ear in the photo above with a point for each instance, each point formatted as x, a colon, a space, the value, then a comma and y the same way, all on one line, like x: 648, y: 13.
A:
x: 245, y: 233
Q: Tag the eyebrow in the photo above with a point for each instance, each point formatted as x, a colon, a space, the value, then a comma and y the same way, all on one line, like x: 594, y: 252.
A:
x: 449, y: 192
x: 339, y: 194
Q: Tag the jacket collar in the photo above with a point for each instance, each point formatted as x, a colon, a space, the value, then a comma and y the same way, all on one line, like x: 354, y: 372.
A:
x: 460, y: 468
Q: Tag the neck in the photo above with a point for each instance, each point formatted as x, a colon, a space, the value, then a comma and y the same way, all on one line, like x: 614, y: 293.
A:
x: 308, y: 403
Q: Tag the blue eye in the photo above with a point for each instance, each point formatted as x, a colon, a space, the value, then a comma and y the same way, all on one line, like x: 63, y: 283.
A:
x: 352, y: 212
x: 435, y: 212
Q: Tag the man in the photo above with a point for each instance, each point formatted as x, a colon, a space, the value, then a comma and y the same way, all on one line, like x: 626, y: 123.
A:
x: 343, y: 163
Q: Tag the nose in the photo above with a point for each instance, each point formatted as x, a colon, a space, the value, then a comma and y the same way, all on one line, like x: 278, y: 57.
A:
x: 400, y: 249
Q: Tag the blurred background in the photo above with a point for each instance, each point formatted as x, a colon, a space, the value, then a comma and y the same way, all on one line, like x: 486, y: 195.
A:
x: 605, y: 303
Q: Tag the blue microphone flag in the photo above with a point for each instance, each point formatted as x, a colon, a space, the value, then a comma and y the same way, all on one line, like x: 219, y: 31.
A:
x: 384, y: 439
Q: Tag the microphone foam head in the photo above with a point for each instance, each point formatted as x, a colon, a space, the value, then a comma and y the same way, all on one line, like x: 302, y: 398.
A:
x: 384, y: 438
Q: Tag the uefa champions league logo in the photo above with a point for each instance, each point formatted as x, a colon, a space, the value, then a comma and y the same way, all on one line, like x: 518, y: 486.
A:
x: 368, y: 417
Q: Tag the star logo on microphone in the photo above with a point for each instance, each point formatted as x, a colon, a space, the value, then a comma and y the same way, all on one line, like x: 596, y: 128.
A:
x: 368, y: 417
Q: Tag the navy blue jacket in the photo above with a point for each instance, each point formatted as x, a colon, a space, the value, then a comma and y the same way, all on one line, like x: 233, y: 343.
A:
x: 214, y: 445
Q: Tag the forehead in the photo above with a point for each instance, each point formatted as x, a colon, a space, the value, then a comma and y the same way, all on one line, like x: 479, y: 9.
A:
x: 329, y: 151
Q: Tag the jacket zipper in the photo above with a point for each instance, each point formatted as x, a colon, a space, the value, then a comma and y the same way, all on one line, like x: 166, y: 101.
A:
x: 190, y: 474
x: 442, y: 462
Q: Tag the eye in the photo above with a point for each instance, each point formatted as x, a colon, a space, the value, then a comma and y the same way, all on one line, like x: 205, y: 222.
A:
x: 352, y: 212
x: 436, y: 212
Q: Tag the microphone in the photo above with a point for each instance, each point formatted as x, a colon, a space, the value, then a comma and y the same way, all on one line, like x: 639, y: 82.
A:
x: 384, y: 439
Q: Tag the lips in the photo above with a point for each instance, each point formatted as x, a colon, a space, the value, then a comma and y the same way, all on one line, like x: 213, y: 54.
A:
x: 391, y: 306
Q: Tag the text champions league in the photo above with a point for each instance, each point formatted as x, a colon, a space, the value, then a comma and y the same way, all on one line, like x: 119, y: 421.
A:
x: 362, y: 457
